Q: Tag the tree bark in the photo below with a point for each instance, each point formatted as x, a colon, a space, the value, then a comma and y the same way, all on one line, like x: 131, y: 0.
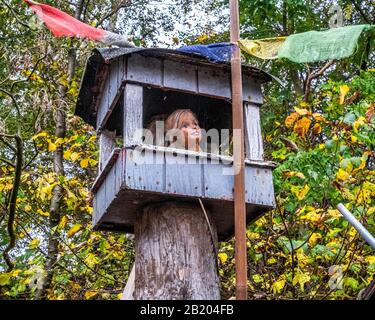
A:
x: 175, y: 254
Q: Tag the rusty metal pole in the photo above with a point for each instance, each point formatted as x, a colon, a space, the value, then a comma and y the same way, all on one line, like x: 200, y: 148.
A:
x: 238, y: 157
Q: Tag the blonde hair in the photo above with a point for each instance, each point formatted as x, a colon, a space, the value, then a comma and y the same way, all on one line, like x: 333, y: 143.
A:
x: 174, y: 119
x: 174, y: 122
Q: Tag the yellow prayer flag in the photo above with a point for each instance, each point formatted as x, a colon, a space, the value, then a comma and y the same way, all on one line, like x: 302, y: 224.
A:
x: 263, y: 48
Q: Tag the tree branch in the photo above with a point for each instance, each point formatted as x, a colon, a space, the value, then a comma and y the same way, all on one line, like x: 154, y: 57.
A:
x: 122, y: 4
x: 12, y: 203
x: 9, y: 163
x: 15, y: 15
x: 6, y: 142
x: 313, y: 76
x: 358, y: 7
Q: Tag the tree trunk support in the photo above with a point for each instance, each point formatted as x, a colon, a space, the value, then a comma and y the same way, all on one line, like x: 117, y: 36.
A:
x: 175, y: 254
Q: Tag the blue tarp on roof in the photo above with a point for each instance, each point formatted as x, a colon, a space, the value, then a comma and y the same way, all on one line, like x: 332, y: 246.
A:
x: 218, y: 52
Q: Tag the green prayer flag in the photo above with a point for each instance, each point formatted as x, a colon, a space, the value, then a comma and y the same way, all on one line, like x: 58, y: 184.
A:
x: 332, y: 44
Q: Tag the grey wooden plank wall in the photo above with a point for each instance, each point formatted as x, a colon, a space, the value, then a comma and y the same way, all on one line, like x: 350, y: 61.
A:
x: 111, y: 90
x: 133, y: 114
x: 109, y: 189
x: 171, y: 174
x: 107, y: 142
x: 211, y: 81
x: 253, y: 134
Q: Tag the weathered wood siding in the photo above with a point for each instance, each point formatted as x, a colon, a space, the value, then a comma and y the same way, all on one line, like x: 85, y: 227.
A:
x: 253, y: 134
x: 111, y: 91
x: 109, y: 187
x: 194, y: 177
x: 133, y: 114
x: 107, y: 142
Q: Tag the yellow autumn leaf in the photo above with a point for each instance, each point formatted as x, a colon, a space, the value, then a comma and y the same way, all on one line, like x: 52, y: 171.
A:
x: 344, y: 89
x: 314, y: 238
x: 318, y: 117
x: 334, y: 213
x: 34, y: 243
x: 75, y: 285
x: 72, y: 138
x: 63, y: 222
x: 342, y: 175
x: 301, y: 278
x: 312, y: 216
x: 91, y: 259
x: 41, y: 134
x: 4, y: 279
x: 67, y: 154
x: 252, y: 235
x: 90, y: 294
x: 357, y: 123
x: 84, y: 163
x: 289, y: 121
x: 301, y: 112
x: 293, y: 174
x: 317, y: 128
x: 223, y: 257
x: 277, y: 286
x: 302, y: 126
x: 74, y: 156
x: 92, y: 139
x: 257, y: 278
x: 300, y: 193
x: 51, y: 146
x: 59, y: 142
x: 28, y: 208
x: 15, y: 272
x: 73, y: 230
x: 370, y: 259
x: 353, y: 138
x: 260, y: 222
x: 43, y: 213
x: 271, y: 260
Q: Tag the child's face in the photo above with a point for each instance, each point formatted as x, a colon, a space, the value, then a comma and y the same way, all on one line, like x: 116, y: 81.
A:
x: 190, y: 128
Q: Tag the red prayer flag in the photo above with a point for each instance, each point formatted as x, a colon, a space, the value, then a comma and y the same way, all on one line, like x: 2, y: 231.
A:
x: 62, y: 24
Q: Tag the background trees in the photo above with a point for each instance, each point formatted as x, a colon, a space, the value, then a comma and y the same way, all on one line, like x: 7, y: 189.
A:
x: 323, y: 143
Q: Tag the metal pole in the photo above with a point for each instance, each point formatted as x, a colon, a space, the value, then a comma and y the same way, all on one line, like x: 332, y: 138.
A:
x: 357, y: 225
x: 238, y: 157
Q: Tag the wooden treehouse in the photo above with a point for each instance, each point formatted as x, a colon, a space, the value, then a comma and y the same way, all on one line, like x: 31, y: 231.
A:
x: 123, y: 89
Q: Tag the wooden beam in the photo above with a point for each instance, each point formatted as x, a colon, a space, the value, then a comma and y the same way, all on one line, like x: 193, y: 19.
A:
x: 238, y: 157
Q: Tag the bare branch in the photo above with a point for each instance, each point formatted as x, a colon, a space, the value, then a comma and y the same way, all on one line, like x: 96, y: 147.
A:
x: 15, y: 15
x: 122, y: 4
x: 358, y: 7
x: 7, y: 162
x: 313, y: 76
x: 12, y: 203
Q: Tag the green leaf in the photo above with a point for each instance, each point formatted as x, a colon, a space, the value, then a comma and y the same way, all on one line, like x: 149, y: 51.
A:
x: 349, y: 118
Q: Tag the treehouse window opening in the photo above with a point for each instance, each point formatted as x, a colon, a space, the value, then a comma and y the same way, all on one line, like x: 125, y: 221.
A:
x: 114, y: 123
x: 213, y: 115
